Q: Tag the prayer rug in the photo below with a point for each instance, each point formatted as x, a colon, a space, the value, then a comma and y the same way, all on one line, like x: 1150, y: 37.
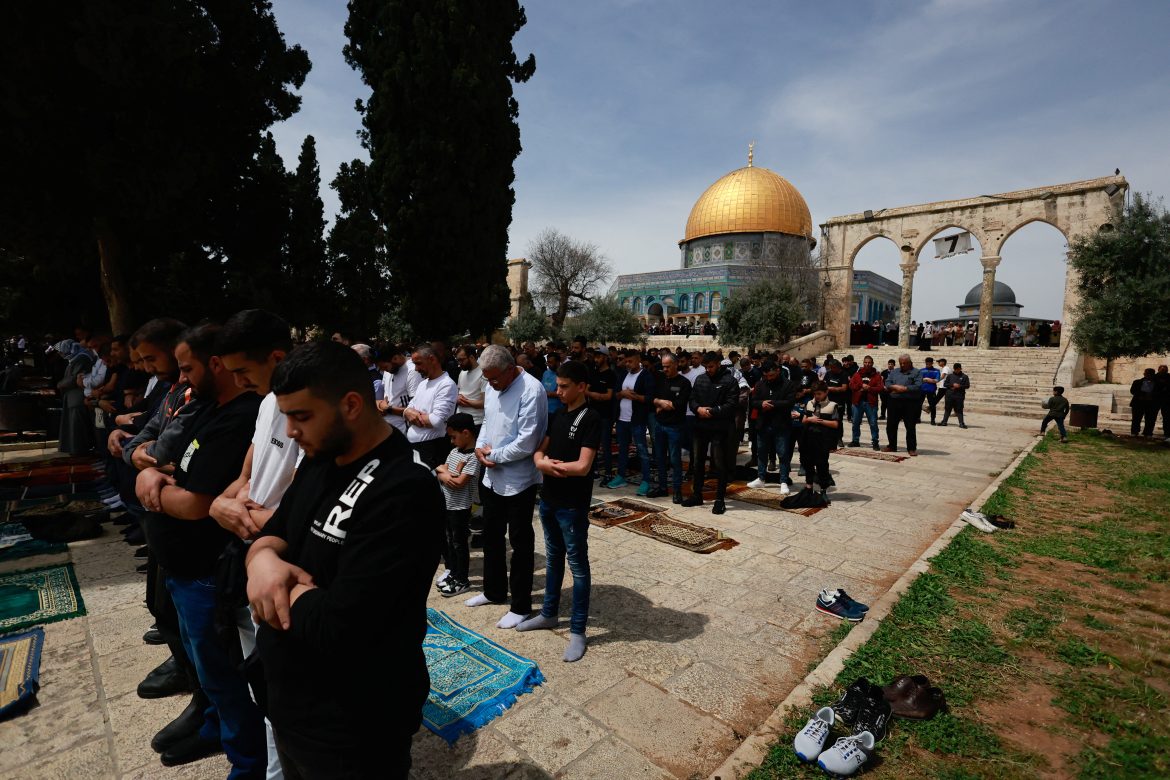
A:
x: 695, y: 538
x: 771, y: 499
x: 17, y: 542
x: 858, y: 452
x: 36, y: 596
x: 473, y: 680
x: 709, y: 488
x: 621, y: 510
x: 20, y: 670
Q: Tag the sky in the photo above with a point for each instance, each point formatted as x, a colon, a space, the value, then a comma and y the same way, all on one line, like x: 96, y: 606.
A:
x: 636, y: 107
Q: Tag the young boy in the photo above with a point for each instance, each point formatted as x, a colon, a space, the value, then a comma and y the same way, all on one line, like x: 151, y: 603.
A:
x: 565, y: 458
x: 1057, y: 407
x: 819, y: 437
x: 457, y: 477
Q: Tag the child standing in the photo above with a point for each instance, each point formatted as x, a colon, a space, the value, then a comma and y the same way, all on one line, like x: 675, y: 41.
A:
x: 565, y: 458
x: 458, y: 477
x: 819, y: 437
x: 1057, y: 407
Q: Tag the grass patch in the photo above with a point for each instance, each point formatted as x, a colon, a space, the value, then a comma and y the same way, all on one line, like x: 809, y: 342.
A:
x: 990, y: 605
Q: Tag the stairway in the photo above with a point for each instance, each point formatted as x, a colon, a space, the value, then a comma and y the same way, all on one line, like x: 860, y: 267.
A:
x: 1011, y: 381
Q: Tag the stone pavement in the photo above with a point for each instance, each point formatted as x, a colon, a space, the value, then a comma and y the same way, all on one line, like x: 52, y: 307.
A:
x: 687, y: 653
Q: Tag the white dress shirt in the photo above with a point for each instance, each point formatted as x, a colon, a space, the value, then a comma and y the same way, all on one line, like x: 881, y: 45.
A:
x: 514, y: 424
x: 436, y: 398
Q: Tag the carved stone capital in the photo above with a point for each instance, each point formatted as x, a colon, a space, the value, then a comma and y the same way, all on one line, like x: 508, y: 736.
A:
x: 990, y: 262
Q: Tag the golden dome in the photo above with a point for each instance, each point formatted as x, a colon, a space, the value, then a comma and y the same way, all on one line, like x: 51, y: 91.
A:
x: 750, y: 200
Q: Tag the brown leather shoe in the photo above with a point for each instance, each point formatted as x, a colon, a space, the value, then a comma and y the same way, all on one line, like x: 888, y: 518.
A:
x: 903, y: 686
x: 912, y: 453
x: 923, y: 703
x: 888, y: 449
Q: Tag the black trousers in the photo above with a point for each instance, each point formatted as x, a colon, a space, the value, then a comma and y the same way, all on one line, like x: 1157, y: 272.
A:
x: 903, y: 411
x: 883, y: 404
x: 724, y: 448
x: 953, y: 404
x: 509, y: 516
x: 389, y: 759
x: 932, y: 402
x: 1145, y: 414
x: 814, y: 457
x: 458, y: 552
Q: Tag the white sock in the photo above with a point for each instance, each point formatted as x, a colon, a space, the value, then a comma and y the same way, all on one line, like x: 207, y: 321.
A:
x: 510, y: 620
x: 576, y: 648
x: 478, y: 600
x: 540, y: 621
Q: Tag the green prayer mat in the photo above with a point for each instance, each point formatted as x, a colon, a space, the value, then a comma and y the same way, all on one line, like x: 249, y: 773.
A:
x: 36, y: 596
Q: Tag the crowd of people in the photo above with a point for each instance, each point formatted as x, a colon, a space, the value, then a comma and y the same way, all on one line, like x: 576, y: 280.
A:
x: 672, y: 327
x: 278, y: 491
x: 956, y: 333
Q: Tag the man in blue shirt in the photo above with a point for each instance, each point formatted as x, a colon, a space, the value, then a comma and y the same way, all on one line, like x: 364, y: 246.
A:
x: 549, y: 380
x: 931, y: 377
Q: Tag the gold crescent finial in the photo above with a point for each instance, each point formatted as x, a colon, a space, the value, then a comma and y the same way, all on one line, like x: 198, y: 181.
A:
x: 751, y: 151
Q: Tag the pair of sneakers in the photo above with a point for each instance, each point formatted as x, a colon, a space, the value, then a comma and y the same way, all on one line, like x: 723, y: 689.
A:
x: 840, y: 604
x: 448, y: 586
x: 847, y: 754
x: 986, y: 523
x: 759, y: 484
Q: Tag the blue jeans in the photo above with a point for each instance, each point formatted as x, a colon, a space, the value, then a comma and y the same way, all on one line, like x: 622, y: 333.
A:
x: 668, y: 441
x: 624, y: 431
x: 232, y: 717
x: 870, y: 412
x: 769, y: 442
x: 566, y: 532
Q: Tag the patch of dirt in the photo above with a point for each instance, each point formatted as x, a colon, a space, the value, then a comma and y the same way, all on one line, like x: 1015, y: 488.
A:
x: 1036, y: 726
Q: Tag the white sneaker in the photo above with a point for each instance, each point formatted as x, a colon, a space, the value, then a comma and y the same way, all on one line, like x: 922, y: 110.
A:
x: 442, y: 577
x: 847, y: 755
x: 977, y: 520
x: 784, y: 488
x: 810, y: 740
x: 757, y: 484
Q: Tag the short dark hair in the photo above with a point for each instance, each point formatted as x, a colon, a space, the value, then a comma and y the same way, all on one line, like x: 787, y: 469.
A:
x: 959, y: 366
x: 580, y: 340
x: 1058, y: 390
x: 768, y: 365
x: 711, y: 357
x: 574, y: 371
x: 202, y: 340
x: 162, y: 332
x: 256, y: 333
x: 461, y: 421
x: 820, y: 387
x: 327, y: 369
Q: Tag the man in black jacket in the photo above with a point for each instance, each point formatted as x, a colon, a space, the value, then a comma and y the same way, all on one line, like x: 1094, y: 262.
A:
x: 714, y: 399
x: 771, y: 403
x: 339, y: 578
x: 671, y: 396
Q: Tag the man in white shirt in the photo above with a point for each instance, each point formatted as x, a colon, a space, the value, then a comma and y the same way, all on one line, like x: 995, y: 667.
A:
x: 472, y: 385
x: 514, y: 423
x: 429, y: 409
x: 253, y: 342
x: 399, y: 383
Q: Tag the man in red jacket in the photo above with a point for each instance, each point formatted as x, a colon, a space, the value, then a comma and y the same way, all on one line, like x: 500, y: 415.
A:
x: 865, y: 387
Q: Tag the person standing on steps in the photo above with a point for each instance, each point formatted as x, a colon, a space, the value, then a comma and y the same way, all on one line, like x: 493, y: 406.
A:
x: 905, y: 385
x: 955, y: 385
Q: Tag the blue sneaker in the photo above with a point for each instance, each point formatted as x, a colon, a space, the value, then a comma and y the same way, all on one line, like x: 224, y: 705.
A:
x: 851, y: 602
x: 643, y: 489
x: 616, y: 482
x: 832, y: 604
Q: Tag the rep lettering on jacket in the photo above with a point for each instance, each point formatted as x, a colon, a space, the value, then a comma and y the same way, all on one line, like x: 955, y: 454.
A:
x: 331, y: 530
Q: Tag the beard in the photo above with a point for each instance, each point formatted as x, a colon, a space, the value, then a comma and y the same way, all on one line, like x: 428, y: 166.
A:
x: 337, y: 441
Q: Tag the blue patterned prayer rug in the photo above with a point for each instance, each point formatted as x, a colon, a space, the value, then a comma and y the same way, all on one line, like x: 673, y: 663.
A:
x: 472, y: 678
x: 35, y: 596
x: 17, y: 542
x: 20, y: 670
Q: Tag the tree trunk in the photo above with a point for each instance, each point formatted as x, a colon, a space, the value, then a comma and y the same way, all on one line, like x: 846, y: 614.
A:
x: 558, y: 318
x: 113, y: 280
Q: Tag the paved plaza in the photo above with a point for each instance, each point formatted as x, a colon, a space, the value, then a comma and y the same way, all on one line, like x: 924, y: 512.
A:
x: 687, y: 653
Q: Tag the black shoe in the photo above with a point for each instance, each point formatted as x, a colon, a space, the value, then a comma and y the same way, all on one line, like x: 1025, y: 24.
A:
x: 678, y: 499
x: 693, y: 501
x: 135, y: 537
x: 141, y: 568
x: 141, y: 552
x: 657, y: 493
x: 849, y: 706
x: 182, y: 728
x: 752, y: 461
x: 167, y: 679
x: 719, y: 507
x: 962, y: 425
x: 876, y: 447
x: 153, y: 637
x: 193, y: 748
x: 943, y: 424
x: 854, y: 444
x: 932, y: 422
x: 874, y: 715
x: 123, y: 519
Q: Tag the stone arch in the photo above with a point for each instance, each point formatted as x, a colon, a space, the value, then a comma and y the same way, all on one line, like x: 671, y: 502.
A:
x: 716, y: 302
x: 636, y: 305
x: 654, y: 311
x: 700, y: 302
x: 932, y: 232
x: 1024, y: 223
x: 684, y: 303
x: 867, y: 240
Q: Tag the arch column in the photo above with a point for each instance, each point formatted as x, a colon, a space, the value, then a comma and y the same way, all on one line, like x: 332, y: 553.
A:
x: 909, y: 266
x: 987, y: 300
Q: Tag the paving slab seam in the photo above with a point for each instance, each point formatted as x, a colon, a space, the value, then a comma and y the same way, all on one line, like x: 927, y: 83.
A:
x: 101, y: 693
x: 753, y: 750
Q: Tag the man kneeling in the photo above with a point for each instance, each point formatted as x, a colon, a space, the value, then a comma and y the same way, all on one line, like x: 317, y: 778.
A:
x: 338, y: 578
